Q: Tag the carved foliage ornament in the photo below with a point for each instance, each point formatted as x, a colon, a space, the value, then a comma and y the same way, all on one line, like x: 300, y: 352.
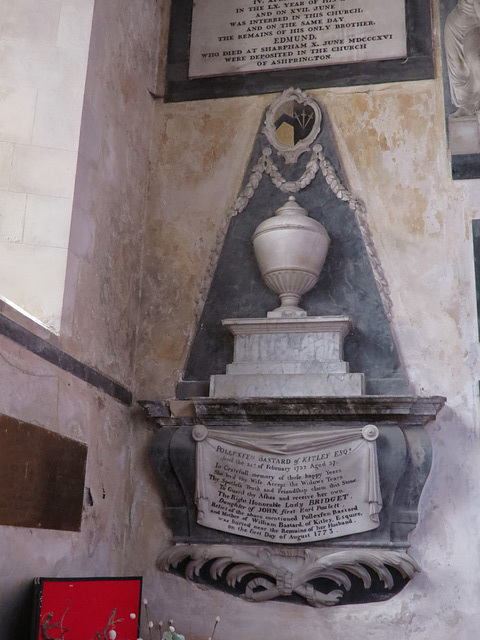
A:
x: 272, y: 573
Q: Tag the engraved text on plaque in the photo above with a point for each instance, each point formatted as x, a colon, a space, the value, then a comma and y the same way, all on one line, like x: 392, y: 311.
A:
x: 242, y: 36
x: 288, y: 487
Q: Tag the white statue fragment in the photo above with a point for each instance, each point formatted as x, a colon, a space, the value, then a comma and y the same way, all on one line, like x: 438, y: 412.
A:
x: 462, y: 49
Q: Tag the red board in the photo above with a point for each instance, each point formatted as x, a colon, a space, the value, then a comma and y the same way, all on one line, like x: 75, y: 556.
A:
x: 87, y: 609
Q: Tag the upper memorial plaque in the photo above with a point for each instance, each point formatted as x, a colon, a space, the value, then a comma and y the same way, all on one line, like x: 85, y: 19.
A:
x: 255, y: 35
x: 222, y: 48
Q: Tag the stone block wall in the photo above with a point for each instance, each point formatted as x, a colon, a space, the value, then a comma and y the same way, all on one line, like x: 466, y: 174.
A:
x: 43, y: 61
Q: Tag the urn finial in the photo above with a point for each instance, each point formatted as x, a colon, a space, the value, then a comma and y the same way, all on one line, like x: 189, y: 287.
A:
x: 290, y: 249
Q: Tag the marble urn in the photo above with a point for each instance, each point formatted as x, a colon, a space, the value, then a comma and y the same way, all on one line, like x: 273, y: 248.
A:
x: 290, y: 249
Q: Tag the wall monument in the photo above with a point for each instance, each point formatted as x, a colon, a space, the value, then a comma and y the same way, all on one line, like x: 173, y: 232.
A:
x: 287, y: 479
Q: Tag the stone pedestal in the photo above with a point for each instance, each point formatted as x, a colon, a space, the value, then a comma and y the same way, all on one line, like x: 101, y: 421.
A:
x: 464, y: 134
x: 288, y: 357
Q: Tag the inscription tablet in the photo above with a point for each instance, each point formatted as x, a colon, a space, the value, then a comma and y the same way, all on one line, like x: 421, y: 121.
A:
x: 288, y: 487
x: 220, y: 48
x: 257, y: 35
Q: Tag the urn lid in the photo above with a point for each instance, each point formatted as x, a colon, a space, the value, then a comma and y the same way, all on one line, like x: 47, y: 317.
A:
x: 291, y: 207
x: 291, y: 216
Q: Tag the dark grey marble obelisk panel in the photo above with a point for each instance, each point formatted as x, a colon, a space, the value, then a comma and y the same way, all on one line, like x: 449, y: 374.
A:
x: 346, y: 285
x: 476, y: 257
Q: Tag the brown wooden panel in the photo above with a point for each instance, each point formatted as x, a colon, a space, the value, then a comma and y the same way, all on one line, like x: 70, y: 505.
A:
x: 42, y: 477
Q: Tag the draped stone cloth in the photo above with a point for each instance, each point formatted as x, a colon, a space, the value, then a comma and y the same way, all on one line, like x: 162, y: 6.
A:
x: 462, y: 50
x: 288, y: 444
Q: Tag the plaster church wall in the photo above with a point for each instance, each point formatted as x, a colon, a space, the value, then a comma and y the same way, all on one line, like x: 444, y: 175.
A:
x: 391, y: 140
x: 154, y: 184
x: 121, y: 506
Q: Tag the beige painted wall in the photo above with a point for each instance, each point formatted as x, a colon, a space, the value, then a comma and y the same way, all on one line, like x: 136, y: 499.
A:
x: 391, y: 139
x: 102, y: 287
